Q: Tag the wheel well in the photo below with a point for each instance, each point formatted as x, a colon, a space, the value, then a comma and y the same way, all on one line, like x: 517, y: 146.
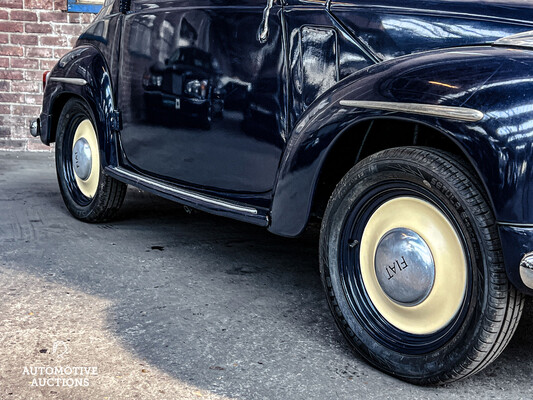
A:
x: 55, y: 112
x: 366, y: 138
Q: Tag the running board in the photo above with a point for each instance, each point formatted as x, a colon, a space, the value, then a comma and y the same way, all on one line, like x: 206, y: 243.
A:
x: 197, y: 200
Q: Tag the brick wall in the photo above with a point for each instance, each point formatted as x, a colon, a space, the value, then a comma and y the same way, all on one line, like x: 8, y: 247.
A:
x: 34, y: 34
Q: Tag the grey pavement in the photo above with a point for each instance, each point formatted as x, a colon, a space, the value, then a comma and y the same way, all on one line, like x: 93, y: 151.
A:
x: 164, y: 304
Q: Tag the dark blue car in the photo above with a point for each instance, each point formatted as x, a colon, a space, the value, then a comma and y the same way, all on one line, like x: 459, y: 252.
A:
x: 406, y: 128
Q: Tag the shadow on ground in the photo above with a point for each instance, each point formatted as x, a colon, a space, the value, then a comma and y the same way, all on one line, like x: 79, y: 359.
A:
x: 218, y: 304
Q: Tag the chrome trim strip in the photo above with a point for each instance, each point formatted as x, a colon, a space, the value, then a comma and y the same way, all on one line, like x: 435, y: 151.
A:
x: 74, y: 81
x: 458, y: 113
x: 184, y: 193
x: 523, y: 39
x: 512, y: 224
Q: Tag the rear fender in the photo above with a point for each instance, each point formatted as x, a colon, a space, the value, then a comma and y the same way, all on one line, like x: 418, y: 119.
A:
x: 495, y: 81
x: 82, y: 73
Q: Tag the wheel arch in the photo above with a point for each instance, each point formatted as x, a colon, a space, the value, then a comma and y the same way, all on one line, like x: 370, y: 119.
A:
x: 88, y: 64
x: 494, y: 144
x: 370, y: 136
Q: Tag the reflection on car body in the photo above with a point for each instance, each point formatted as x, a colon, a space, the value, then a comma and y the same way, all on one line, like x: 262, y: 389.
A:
x: 186, y: 86
x: 405, y: 129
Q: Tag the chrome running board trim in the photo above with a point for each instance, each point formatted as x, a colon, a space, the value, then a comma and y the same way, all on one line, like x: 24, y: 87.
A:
x: 183, y: 193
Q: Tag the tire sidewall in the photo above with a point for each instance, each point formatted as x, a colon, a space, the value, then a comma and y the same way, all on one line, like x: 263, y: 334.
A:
x: 72, y: 114
x: 360, y: 179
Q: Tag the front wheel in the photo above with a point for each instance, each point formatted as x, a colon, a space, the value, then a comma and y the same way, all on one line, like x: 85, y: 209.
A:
x: 411, y: 262
x: 88, y: 193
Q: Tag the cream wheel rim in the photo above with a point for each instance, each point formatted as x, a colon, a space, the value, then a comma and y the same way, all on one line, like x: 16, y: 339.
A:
x: 446, y: 275
x: 86, y: 159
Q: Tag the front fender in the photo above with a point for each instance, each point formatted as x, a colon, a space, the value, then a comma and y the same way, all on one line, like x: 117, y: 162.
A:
x: 495, y: 81
x: 88, y: 64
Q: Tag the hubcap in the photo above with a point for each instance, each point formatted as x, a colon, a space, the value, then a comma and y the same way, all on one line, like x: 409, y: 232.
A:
x: 404, y: 266
x: 82, y: 159
x: 425, y: 296
x: 86, y: 159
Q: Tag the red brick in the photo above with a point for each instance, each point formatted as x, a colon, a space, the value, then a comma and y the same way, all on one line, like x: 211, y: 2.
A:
x: 3, y: 14
x: 6, y: 50
x: 26, y: 110
x: 24, y: 39
x: 60, y: 5
x: 68, y: 29
x: 42, y: 52
x: 4, y: 38
x: 8, y: 144
x: 4, y: 62
x: 25, y: 63
x: 5, y: 86
x: 11, y: 97
x: 58, y: 53
x: 19, y: 15
x: 74, y: 18
x: 39, y: 4
x: 58, y: 41
x: 38, y: 28
x: 21, y: 130
x: 26, y: 86
x: 47, y: 65
x: 12, y: 4
x: 52, y: 16
x: 5, y: 132
x: 11, y: 50
x: 33, y: 76
x: 87, y: 18
x: 34, y: 99
x: 72, y: 41
x: 5, y: 109
x: 8, y: 26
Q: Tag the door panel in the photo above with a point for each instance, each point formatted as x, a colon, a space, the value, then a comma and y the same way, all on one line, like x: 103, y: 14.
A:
x: 202, y: 99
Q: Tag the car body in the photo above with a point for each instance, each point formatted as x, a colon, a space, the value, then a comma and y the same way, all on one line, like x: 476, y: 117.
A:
x: 309, y: 89
x: 184, y: 87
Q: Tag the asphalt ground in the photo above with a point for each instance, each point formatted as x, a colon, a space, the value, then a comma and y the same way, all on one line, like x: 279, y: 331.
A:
x: 166, y: 304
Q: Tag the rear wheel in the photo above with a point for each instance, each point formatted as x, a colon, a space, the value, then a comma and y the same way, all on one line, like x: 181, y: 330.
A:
x: 88, y: 193
x: 411, y: 262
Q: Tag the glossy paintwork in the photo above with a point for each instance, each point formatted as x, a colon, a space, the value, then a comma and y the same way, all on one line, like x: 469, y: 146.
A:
x: 87, y: 63
x: 279, y: 100
x: 190, y: 140
x: 391, y: 32
x: 499, y: 146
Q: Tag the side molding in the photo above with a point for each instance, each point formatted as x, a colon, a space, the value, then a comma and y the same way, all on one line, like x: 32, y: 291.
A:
x: 456, y: 113
x: 477, y: 97
x: 72, y: 81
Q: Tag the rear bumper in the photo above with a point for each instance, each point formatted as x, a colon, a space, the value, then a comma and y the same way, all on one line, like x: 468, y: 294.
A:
x: 40, y: 128
x: 35, y: 127
x: 517, y: 242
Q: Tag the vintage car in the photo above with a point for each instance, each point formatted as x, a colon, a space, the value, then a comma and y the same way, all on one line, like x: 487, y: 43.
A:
x: 406, y: 128
x: 185, y: 88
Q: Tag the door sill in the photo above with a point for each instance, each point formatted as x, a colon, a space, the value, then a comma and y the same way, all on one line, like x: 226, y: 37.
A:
x: 191, y: 198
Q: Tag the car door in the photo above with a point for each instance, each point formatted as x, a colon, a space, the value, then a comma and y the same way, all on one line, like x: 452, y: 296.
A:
x: 201, y: 96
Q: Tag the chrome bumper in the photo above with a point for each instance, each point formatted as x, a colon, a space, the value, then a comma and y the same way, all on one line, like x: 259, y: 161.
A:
x: 35, y: 128
x: 526, y: 270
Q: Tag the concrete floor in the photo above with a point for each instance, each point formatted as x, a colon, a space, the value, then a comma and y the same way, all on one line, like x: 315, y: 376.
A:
x: 161, y: 304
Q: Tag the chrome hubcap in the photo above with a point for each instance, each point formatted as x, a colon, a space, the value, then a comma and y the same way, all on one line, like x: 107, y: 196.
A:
x: 82, y: 159
x: 404, y: 266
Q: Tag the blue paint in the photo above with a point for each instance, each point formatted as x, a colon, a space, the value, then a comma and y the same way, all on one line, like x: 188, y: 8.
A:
x: 74, y: 6
x: 270, y: 115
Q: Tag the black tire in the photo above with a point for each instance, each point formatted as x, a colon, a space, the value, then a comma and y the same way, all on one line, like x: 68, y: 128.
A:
x: 489, y: 307
x: 107, y: 193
